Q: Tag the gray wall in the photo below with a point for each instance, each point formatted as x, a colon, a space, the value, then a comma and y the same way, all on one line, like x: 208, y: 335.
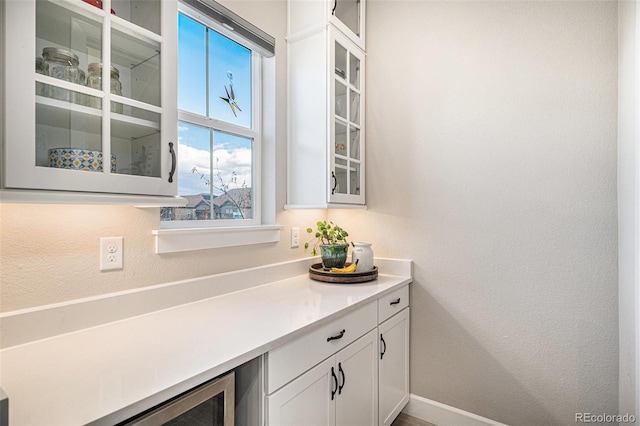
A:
x: 491, y: 135
x: 628, y: 195
x: 49, y: 253
x: 491, y: 148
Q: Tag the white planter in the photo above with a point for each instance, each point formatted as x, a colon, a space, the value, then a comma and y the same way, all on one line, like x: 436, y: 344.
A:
x: 363, y: 253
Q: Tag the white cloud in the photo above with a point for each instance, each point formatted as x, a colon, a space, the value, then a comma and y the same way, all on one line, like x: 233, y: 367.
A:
x: 228, y: 162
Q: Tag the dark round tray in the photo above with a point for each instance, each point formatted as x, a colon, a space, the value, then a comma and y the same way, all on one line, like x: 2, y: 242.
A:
x: 317, y: 272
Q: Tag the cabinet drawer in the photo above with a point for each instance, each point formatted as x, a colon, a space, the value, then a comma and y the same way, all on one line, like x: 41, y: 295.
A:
x: 393, y: 303
x: 294, y: 358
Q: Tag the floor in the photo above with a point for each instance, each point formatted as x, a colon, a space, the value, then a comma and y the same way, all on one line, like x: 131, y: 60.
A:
x: 405, y: 420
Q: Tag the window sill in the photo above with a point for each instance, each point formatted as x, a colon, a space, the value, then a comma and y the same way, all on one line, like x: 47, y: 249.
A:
x: 178, y: 240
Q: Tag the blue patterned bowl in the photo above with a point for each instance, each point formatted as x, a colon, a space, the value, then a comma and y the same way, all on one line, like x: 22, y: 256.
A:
x: 78, y: 159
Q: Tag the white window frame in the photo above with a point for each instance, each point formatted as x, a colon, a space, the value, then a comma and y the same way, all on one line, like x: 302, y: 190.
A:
x: 184, y: 235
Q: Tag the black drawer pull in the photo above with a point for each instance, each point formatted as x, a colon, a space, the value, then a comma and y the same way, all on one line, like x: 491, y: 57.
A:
x: 384, y: 347
x: 339, y: 336
x: 341, y: 371
x: 335, y: 183
x: 335, y: 383
x: 395, y: 301
x: 173, y: 162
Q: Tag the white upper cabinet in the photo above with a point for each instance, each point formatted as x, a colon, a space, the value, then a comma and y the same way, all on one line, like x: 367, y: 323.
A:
x: 326, y: 108
x: 346, y: 121
x: 345, y: 15
x: 90, y: 96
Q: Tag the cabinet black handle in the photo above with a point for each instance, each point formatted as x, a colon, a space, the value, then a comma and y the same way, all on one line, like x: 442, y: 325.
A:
x: 335, y: 4
x: 335, y: 183
x: 395, y: 301
x: 384, y: 347
x: 341, y: 371
x: 339, y: 336
x: 173, y: 162
x: 334, y: 389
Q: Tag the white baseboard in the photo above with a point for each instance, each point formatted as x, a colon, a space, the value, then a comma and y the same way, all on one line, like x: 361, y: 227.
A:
x: 444, y: 415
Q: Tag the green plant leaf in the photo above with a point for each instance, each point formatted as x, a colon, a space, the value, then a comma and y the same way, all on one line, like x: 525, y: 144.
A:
x: 327, y: 233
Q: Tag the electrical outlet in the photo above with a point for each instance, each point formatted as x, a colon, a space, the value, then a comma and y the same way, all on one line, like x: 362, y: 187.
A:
x: 111, y: 253
x: 295, y: 237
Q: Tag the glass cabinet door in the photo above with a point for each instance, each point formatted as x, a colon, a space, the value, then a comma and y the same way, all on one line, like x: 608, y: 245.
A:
x: 68, y: 120
x: 144, y: 14
x: 348, y: 16
x: 347, y: 174
x: 98, y: 81
x: 135, y: 103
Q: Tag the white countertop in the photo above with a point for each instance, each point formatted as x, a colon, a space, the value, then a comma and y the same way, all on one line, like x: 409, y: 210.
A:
x: 107, y: 373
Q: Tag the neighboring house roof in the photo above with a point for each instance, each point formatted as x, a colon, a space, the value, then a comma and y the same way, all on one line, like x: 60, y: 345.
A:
x: 194, y: 200
x: 199, y: 201
x: 235, y: 194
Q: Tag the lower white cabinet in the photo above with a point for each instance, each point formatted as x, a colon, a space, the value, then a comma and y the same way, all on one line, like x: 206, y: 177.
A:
x: 393, y: 366
x: 357, y: 397
x: 304, y: 401
x: 351, y: 371
x: 341, y: 390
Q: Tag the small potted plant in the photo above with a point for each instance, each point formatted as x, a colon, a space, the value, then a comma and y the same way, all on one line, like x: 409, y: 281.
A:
x: 333, y: 244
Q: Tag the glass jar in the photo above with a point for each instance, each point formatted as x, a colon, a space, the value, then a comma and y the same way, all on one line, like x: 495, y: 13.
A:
x: 40, y: 87
x: 94, y: 80
x: 116, y: 89
x: 61, y: 64
x: 81, y: 98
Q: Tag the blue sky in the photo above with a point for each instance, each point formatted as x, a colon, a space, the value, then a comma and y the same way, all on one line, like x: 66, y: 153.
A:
x: 225, y: 56
x: 226, y: 59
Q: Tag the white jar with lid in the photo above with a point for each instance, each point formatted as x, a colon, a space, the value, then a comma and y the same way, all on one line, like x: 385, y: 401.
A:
x: 362, y: 253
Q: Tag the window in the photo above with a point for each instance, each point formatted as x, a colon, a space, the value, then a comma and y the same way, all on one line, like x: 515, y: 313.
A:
x: 220, y: 140
x: 219, y: 137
